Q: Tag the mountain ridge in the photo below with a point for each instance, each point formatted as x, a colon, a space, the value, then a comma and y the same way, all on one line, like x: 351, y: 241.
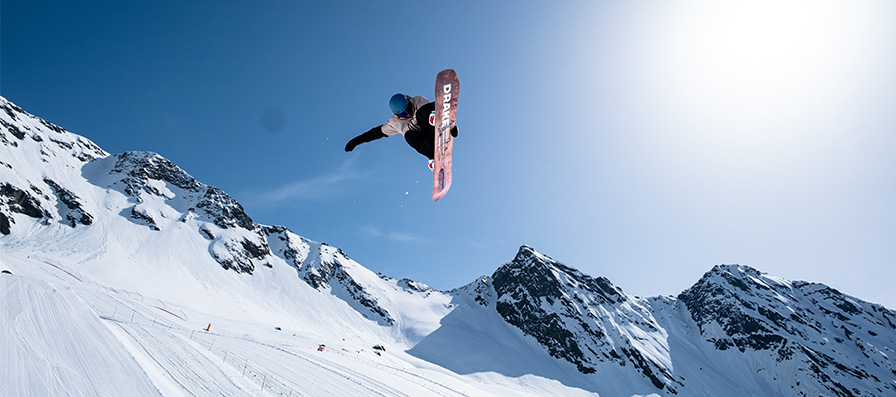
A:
x: 138, y: 221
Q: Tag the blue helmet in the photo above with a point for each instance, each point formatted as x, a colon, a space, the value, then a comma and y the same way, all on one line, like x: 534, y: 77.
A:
x: 399, y: 103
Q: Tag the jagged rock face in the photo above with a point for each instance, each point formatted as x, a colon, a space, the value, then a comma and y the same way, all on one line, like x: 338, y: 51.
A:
x: 36, y: 204
x: 332, y: 274
x: 225, y: 211
x: 138, y: 170
x: 805, y: 337
x: 412, y: 285
x: 17, y: 200
x: 155, y: 184
x: 523, y: 286
x: 815, y: 327
x: 574, y: 316
x: 294, y: 249
x: 17, y: 126
x: 26, y: 137
x: 241, y: 253
x: 73, y: 212
x: 4, y: 224
x: 324, y: 267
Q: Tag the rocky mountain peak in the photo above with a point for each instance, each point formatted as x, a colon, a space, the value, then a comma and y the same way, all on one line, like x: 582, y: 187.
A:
x: 27, y: 132
x: 809, y: 325
x: 147, y: 173
x: 34, y: 158
x: 540, y: 276
x: 138, y: 168
x: 576, y: 316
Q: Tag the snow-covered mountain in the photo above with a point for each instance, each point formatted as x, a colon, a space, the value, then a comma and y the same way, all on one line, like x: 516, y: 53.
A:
x: 736, y: 332
x: 127, y: 276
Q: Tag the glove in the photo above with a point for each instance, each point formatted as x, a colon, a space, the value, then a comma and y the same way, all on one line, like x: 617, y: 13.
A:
x: 454, y: 132
x: 373, y: 134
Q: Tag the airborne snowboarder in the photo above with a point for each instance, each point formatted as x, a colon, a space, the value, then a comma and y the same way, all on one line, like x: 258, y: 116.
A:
x: 413, y: 117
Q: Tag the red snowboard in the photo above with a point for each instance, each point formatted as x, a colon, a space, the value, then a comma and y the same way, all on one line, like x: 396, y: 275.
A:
x: 447, y: 90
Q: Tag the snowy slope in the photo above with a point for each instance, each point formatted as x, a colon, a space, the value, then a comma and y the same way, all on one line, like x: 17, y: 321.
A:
x: 125, y: 265
x: 155, y: 255
x: 53, y: 344
x: 65, y: 336
x: 800, y: 337
x: 736, y: 332
x: 155, y: 229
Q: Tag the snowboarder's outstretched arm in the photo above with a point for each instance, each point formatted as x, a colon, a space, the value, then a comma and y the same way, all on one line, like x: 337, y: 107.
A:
x: 373, y: 134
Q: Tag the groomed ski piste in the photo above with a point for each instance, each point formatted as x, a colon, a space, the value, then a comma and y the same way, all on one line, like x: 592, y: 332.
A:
x: 73, y: 336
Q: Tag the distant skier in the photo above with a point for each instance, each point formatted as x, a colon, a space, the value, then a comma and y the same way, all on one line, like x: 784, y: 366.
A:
x: 413, y: 117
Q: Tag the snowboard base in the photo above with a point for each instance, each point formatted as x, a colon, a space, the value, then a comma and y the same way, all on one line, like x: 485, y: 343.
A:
x: 447, y: 90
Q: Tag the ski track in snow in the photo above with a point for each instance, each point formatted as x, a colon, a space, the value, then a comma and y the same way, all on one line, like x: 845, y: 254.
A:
x: 178, y: 360
x: 318, y: 359
x: 172, y: 359
x: 423, y: 381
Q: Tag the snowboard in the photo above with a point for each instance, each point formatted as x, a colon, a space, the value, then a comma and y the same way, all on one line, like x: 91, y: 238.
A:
x: 447, y: 90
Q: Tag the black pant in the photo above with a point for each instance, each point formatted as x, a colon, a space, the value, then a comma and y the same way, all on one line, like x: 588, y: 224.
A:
x: 423, y: 142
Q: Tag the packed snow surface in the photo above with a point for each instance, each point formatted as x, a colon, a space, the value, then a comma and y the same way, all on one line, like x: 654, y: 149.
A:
x: 66, y: 335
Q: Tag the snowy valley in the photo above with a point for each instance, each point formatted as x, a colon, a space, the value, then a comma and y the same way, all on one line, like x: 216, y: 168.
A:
x: 124, y: 275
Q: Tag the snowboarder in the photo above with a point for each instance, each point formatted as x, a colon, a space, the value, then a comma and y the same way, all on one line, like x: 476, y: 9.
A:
x: 413, y: 117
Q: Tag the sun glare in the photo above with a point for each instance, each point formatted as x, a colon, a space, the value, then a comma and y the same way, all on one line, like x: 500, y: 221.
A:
x: 758, y: 62
x: 756, y: 48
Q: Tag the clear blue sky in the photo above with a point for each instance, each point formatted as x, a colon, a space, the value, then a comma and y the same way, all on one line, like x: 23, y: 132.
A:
x: 641, y: 141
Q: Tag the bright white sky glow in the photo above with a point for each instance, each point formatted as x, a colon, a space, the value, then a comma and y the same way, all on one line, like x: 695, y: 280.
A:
x: 764, y: 62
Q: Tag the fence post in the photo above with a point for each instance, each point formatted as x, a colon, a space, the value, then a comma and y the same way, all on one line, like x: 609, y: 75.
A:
x: 244, y: 367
